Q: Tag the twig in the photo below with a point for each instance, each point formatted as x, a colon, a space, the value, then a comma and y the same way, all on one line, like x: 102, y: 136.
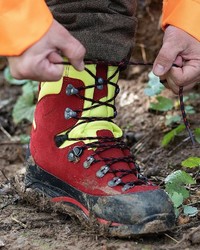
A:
x: 138, y: 146
x: 5, y: 103
x: 156, y: 151
x: 9, y: 203
x: 180, y: 144
x: 150, y: 14
x: 187, y: 226
x: 171, y: 237
x: 10, y: 142
x: 185, y: 237
x: 5, y: 132
x: 4, y: 175
x: 143, y: 52
x: 19, y: 222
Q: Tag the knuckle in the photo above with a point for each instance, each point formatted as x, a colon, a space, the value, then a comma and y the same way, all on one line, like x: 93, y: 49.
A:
x: 165, y: 58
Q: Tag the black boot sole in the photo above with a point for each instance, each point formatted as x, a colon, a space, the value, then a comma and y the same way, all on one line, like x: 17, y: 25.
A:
x: 82, y: 206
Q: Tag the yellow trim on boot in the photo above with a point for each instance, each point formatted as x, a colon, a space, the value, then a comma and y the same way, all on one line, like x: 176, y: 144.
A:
x: 90, y: 129
x: 50, y: 88
x: 85, y: 129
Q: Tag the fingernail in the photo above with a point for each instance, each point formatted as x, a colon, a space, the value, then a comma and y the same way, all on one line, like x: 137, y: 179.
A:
x: 159, y: 70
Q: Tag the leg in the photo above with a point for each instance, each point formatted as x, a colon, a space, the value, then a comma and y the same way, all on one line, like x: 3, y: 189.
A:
x: 106, y: 28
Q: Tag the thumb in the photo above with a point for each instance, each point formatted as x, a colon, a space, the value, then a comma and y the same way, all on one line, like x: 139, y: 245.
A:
x: 164, y: 60
x: 68, y: 45
x: 169, y: 52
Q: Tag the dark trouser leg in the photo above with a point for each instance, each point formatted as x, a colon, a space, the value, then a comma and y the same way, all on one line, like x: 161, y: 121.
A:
x: 106, y: 28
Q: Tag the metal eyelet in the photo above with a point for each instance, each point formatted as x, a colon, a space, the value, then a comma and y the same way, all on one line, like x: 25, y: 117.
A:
x: 117, y: 90
x: 137, y: 166
x: 142, y: 177
x: 127, y: 186
x: 69, y: 113
x: 74, y: 154
x: 88, y: 162
x: 71, y: 90
x: 99, y: 83
x: 102, y: 171
x: 114, y: 182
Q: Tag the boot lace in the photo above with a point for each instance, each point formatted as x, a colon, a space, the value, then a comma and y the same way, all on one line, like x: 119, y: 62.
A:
x: 101, y: 143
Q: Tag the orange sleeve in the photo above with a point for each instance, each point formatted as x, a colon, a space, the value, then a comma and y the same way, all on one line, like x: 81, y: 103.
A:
x: 22, y: 23
x: 184, y: 14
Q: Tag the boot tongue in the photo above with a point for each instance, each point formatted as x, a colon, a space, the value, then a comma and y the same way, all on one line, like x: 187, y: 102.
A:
x: 104, y: 133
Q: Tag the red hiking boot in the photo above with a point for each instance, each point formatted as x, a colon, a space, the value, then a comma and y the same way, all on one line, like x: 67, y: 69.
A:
x: 79, y: 159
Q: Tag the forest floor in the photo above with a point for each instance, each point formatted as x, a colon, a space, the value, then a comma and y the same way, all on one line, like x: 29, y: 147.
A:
x: 27, y: 225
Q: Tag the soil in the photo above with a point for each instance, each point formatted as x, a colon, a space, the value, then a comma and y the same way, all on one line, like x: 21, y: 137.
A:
x: 28, y: 224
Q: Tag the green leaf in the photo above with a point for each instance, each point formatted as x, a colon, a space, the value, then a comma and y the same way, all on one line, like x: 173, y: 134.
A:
x: 171, y: 119
x: 30, y: 87
x: 170, y: 136
x: 24, y: 139
x: 176, y: 182
x: 24, y: 108
x: 154, y: 85
x: 177, y: 199
x: 178, y: 188
x: 179, y: 177
x: 185, y: 98
x: 175, y: 186
x: 8, y: 77
x: 194, y: 96
x: 176, y: 210
x: 163, y: 104
x: 190, y: 210
x: 191, y: 162
x: 197, y: 134
x: 189, y: 109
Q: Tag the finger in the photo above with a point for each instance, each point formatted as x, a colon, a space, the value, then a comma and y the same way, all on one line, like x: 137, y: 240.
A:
x: 54, y: 57
x: 70, y: 47
x: 75, y: 53
x: 168, y: 54
x: 172, y: 86
x: 178, y: 61
x: 164, y: 60
x: 49, y: 69
x: 76, y: 57
x: 187, y: 88
x: 175, y: 88
x: 43, y: 70
x: 186, y: 75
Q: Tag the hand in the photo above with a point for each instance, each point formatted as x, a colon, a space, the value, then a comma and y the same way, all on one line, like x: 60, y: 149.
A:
x: 38, y: 61
x: 180, y: 49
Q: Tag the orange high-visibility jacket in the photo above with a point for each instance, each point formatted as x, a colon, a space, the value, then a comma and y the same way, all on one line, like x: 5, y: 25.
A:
x: 16, y: 16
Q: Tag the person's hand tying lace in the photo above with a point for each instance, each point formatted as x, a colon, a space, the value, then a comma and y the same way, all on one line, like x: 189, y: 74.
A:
x: 182, y: 50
